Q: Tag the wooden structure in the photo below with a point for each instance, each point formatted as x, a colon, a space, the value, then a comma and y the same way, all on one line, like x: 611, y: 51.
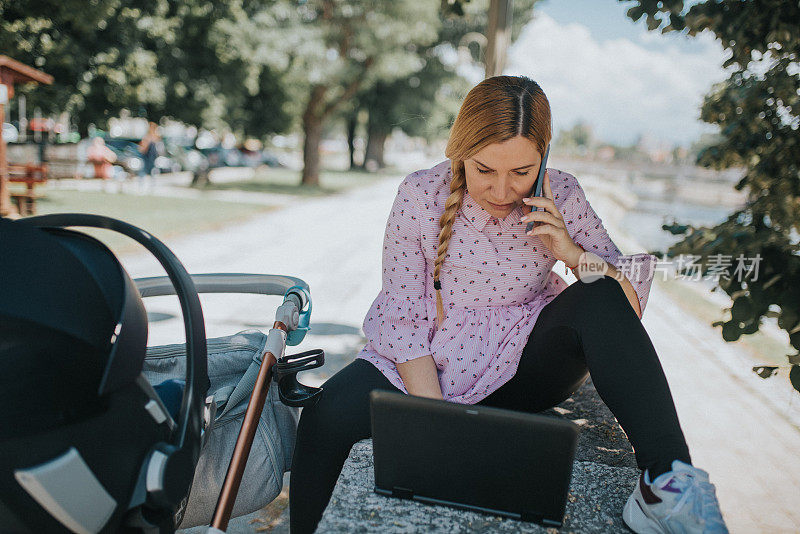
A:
x: 12, y: 72
x: 31, y: 175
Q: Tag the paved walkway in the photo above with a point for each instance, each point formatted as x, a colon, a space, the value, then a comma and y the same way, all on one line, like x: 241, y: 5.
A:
x: 178, y: 185
x: 334, y: 243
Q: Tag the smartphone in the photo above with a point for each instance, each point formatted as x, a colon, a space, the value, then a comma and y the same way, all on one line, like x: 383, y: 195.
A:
x: 537, y: 187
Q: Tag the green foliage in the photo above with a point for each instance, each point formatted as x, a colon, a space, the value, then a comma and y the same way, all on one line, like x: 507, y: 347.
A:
x: 425, y: 103
x: 758, y: 112
x: 255, y: 66
x: 580, y: 136
x: 92, y: 51
x: 328, y: 52
x: 454, y: 8
x: 764, y: 27
x: 154, y: 57
x: 794, y: 376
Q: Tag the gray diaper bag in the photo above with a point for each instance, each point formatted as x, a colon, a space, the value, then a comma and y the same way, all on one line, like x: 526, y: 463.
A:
x: 233, y: 363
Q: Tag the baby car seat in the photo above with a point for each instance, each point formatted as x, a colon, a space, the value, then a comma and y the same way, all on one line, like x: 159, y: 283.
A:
x: 85, y: 442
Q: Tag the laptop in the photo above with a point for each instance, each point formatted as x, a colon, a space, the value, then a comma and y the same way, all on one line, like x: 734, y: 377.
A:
x: 491, y: 460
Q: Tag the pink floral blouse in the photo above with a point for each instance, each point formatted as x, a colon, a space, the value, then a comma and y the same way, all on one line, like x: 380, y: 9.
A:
x: 495, y: 281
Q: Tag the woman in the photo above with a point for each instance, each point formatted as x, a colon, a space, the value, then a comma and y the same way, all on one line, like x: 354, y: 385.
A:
x: 471, y: 312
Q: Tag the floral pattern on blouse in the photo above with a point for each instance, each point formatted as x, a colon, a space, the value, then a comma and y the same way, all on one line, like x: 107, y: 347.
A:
x: 495, y: 281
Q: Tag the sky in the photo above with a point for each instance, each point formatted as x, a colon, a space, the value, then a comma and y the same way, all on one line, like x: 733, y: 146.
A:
x: 597, y: 65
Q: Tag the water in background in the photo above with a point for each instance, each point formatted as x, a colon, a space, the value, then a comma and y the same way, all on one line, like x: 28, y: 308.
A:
x: 649, y: 214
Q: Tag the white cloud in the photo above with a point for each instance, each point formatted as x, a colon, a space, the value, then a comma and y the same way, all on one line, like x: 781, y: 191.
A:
x: 621, y: 87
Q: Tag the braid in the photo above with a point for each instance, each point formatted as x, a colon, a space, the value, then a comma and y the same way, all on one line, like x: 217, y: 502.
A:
x: 451, y: 207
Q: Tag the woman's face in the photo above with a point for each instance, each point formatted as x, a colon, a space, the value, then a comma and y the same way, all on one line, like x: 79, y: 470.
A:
x: 501, y: 174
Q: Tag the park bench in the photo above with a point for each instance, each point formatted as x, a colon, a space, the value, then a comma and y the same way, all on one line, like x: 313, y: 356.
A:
x: 603, y: 477
x: 31, y: 175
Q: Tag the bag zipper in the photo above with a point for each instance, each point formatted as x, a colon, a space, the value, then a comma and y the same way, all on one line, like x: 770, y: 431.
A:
x: 157, y: 353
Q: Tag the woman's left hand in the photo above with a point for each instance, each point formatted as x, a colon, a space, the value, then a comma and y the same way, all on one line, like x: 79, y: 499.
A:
x: 549, y: 225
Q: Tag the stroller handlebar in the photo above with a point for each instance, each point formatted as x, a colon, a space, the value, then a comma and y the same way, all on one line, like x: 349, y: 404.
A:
x: 260, y: 284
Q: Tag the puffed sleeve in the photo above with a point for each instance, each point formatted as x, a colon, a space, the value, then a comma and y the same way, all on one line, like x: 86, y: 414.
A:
x: 586, y: 229
x: 397, y: 324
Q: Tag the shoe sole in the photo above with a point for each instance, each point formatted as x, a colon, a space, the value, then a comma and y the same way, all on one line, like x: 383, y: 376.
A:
x: 637, y: 520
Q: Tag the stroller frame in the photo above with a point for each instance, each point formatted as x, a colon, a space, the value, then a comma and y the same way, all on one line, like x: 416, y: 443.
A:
x: 289, y: 328
x: 169, y: 469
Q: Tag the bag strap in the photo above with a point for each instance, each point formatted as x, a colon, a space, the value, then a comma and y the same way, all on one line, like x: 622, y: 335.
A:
x: 246, y: 384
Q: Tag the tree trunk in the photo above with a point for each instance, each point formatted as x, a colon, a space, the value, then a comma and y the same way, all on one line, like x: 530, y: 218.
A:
x: 312, y: 127
x: 352, y: 122
x: 200, y: 177
x: 311, y: 159
x: 498, y: 37
x: 376, y: 139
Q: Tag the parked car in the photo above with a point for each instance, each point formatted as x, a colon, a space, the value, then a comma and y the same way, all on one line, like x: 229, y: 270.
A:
x: 219, y: 156
x: 257, y: 158
x: 186, y: 157
x: 128, y: 147
x: 128, y: 155
x: 271, y: 159
x: 250, y: 158
x: 10, y: 133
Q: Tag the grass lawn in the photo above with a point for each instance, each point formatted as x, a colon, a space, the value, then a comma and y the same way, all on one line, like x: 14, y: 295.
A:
x: 164, y: 217
x: 764, y: 348
x: 287, y: 181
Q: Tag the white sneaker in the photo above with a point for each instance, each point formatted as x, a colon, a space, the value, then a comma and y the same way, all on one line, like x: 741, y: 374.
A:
x: 681, y: 501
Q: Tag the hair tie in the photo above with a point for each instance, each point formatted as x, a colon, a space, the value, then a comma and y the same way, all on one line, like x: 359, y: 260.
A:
x: 437, y: 285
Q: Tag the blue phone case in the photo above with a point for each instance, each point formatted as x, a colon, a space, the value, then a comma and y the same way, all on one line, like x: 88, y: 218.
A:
x: 537, y: 190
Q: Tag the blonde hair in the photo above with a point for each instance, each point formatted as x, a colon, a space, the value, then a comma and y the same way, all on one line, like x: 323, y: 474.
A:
x: 497, y: 109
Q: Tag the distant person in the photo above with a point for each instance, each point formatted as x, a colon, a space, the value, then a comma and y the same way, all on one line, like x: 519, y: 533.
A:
x: 472, y: 312
x: 101, y: 157
x: 150, y: 147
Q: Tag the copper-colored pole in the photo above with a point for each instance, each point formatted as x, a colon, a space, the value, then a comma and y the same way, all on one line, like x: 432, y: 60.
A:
x: 233, y: 478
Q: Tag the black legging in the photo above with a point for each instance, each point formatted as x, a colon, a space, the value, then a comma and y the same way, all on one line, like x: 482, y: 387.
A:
x: 589, y: 328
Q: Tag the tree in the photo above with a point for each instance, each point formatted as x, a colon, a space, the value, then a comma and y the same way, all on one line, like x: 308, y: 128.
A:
x: 209, y: 82
x: 92, y: 50
x: 758, y: 111
x: 155, y: 57
x: 425, y: 103
x: 327, y: 51
x: 421, y: 105
x: 580, y: 137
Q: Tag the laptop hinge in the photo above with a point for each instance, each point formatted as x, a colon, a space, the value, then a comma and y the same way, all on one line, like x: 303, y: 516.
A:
x: 403, y: 493
x: 532, y: 517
